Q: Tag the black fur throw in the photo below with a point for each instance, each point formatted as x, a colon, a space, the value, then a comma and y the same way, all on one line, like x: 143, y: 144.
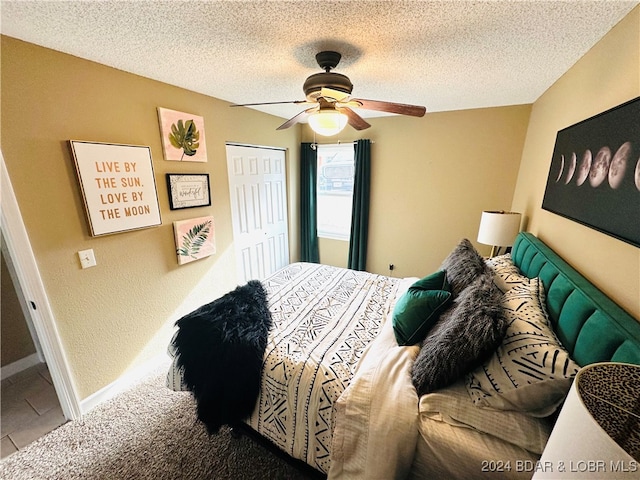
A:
x: 220, y: 347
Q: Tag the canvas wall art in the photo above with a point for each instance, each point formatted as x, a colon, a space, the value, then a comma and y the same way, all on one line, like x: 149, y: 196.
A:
x: 195, y: 239
x: 118, y: 186
x: 594, y: 178
x: 183, y: 137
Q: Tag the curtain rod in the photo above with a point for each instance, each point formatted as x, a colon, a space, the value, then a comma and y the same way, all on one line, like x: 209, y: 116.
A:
x: 314, y: 144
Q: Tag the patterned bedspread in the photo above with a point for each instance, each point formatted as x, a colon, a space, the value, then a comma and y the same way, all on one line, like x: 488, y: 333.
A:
x: 323, y: 319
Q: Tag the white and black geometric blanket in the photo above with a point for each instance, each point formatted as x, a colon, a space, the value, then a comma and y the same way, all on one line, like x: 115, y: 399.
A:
x: 323, y: 319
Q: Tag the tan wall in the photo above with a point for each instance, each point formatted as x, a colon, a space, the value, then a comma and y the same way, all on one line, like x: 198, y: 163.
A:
x: 119, y: 314
x: 16, y: 342
x: 431, y: 178
x: 608, y: 75
x: 333, y: 252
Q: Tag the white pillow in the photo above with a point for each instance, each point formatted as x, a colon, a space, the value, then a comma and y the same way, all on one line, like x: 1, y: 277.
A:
x: 453, y: 406
x: 530, y: 371
x: 505, y: 274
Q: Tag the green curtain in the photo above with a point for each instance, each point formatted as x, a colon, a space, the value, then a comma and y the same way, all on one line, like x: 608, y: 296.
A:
x: 360, y: 209
x: 308, y: 204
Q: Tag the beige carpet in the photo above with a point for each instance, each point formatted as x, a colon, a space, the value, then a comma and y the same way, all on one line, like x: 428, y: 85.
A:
x: 148, y: 432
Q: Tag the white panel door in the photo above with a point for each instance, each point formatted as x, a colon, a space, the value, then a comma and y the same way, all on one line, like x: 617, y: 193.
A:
x: 257, y: 185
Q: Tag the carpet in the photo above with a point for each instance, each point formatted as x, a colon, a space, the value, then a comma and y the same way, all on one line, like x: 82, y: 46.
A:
x: 147, y: 432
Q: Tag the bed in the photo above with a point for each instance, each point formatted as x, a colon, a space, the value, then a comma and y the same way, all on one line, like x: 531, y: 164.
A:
x: 336, y: 391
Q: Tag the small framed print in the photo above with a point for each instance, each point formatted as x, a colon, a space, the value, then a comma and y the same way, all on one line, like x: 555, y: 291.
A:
x: 188, y: 190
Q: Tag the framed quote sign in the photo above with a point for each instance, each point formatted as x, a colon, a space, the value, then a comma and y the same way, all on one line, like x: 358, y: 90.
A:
x: 188, y: 190
x: 118, y: 186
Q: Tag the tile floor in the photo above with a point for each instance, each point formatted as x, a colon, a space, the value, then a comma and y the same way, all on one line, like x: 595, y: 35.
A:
x: 29, y: 408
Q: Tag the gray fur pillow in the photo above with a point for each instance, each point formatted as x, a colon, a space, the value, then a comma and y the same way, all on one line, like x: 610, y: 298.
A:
x: 464, y: 337
x: 463, y: 265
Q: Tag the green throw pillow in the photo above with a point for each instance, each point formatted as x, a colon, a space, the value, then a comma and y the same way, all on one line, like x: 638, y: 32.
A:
x: 419, y: 308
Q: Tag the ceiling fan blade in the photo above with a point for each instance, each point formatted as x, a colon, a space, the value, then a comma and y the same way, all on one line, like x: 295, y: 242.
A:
x: 355, y: 120
x: 266, y: 103
x: 337, y: 95
x: 297, y: 119
x: 390, y: 107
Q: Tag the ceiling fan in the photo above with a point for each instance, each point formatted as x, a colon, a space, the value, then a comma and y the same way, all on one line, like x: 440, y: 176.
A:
x: 330, y: 95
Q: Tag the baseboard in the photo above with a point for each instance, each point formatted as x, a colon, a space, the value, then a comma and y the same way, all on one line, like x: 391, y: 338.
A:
x: 123, y: 383
x: 19, y: 366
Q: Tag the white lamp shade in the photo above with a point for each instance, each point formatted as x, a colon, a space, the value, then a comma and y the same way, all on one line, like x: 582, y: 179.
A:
x: 603, y: 395
x: 499, y: 228
x: 327, y: 122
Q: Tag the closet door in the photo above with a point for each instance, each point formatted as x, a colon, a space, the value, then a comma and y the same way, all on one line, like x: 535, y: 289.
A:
x: 257, y: 185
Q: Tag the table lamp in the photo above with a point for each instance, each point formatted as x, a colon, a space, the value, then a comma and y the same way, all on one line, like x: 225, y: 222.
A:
x: 498, y: 228
x: 597, y: 434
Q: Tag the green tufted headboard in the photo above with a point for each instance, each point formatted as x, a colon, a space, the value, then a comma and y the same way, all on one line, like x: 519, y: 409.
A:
x: 588, y: 323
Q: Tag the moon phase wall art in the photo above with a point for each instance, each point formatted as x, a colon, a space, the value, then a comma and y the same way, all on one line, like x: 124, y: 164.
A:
x: 594, y: 177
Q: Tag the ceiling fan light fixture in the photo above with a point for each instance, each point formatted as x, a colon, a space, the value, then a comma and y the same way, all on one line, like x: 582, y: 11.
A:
x: 328, y: 122
x: 330, y: 93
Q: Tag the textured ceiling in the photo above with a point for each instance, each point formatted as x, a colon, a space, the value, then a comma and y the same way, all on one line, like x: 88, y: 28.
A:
x: 445, y: 55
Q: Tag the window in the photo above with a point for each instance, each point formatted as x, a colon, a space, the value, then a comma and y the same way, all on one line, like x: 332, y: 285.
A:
x: 336, y: 169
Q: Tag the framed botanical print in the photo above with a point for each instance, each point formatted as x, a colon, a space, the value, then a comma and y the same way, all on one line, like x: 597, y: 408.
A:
x: 195, y: 239
x: 183, y: 137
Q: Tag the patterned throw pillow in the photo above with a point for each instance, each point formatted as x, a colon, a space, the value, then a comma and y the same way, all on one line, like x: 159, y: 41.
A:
x: 505, y: 274
x: 530, y: 371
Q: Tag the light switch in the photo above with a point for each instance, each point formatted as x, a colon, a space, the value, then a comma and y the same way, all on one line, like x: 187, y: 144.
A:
x: 87, y: 258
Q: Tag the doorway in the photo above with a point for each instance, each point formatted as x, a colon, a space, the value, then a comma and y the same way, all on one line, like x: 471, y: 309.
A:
x: 36, y: 307
x: 20, y: 346
x: 30, y: 405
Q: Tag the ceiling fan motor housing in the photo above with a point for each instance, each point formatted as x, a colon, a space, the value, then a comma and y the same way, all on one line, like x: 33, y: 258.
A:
x: 316, y: 82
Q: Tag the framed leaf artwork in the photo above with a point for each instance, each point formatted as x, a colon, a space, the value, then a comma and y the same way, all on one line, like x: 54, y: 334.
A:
x: 195, y: 239
x: 183, y: 138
